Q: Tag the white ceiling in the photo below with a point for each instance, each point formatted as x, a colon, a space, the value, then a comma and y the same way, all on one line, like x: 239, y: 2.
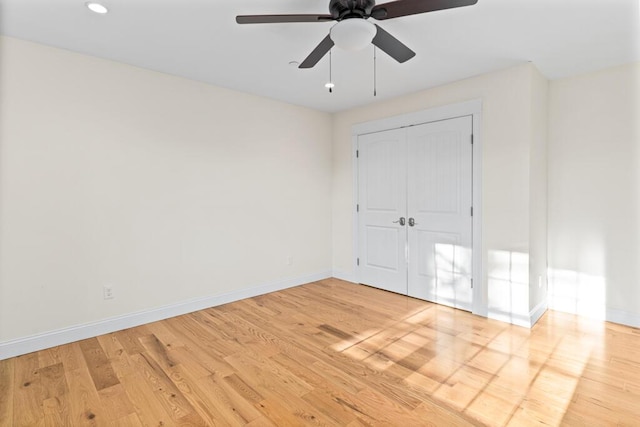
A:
x: 199, y: 39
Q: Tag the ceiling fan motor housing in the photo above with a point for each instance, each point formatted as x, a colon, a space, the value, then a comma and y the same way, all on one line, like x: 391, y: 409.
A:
x: 345, y: 9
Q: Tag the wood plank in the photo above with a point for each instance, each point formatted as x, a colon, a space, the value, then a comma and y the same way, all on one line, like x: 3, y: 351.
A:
x: 434, y: 415
x: 71, y: 357
x: 164, y: 334
x: 212, y: 410
x: 280, y: 415
x: 100, y: 368
x: 57, y: 411
x: 117, y: 355
x: 49, y: 356
x: 53, y: 381
x: 131, y: 420
x: 160, y: 352
x: 27, y: 394
x: 230, y: 404
x: 116, y: 403
x: 329, y: 405
x: 266, y: 376
x: 148, y: 408
x: 261, y: 422
x: 206, y: 404
x: 7, y: 387
x: 243, y: 389
x: 160, y: 384
x: 128, y: 338
x: 85, y: 407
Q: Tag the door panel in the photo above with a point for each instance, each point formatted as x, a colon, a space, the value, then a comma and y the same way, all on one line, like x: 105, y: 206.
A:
x: 383, y: 243
x: 382, y: 180
x: 439, y: 195
x: 441, y: 275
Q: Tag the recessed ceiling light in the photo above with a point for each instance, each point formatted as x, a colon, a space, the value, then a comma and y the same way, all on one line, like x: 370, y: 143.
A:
x: 294, y: 63
x: 97, y: 7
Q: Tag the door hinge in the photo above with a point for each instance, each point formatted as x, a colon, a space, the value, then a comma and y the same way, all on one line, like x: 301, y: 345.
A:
x: 471, y: 283
x: 357, y: 153
x: 357, y: 208
x: 471, y: 210
x: 357, y: 261
x: 471, y: 139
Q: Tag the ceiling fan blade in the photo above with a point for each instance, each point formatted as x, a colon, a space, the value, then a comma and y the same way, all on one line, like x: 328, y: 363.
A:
x: 392, y: 46
x: 399, y: 8
x: 275, y: 19
x: 321, y: 50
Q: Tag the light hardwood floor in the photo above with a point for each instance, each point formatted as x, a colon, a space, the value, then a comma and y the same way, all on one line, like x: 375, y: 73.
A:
x: 336, y: 354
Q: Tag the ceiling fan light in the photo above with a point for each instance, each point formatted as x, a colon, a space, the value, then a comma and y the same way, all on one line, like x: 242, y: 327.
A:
x: 353, y: 34
x: 96, y: 7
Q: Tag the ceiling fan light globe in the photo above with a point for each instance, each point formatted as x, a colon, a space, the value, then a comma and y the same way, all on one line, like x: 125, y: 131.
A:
x: 96, y: 7
x: 353, y: 34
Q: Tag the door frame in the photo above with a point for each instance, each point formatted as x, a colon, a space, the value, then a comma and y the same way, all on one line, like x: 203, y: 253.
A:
x: 471, y: 108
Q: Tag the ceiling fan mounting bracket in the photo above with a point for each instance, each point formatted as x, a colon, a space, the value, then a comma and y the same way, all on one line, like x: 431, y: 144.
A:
x: 345, y: 9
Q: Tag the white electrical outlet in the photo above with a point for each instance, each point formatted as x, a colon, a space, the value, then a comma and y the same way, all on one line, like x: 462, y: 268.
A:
x: 289, y: 260
x: 107, y: 292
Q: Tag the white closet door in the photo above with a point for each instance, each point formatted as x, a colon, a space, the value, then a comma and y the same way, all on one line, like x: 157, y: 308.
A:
x: 439, y: 203
x: 382, y: 177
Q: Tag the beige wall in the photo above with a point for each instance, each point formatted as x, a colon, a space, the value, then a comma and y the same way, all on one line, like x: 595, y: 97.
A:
x: 507, y: 134
x: 594, y: 194
x: 165, y: 188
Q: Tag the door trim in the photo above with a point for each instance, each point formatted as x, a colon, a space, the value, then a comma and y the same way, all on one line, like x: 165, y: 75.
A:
x: 471, y: 108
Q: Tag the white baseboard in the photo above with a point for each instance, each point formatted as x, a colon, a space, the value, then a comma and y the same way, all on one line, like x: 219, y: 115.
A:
x: 536, y: 313
x: 54, y: 338
x: 623, y: 317
x: 346, y: 276
x: 600, y: 313
x: 524, y: 320
x: 513, y: 318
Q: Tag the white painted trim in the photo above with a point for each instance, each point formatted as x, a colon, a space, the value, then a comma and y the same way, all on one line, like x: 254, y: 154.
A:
x: 354, y: 213
x: 623, y: 317
x: 343, y: 275
x: 444, y: 112
x: 610, y: 314
x: 513, y: 318
x: 526, y: 321
x: 480, y: 302
x: 536, y: 313
x: 468, y: 108
x: 88, y: 330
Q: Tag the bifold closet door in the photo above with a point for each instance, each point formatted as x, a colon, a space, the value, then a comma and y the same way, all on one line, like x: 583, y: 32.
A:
x: 439, y: 201
x: 382, y: 206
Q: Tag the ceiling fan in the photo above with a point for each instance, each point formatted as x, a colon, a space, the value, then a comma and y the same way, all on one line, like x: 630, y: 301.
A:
x: 353, y: 31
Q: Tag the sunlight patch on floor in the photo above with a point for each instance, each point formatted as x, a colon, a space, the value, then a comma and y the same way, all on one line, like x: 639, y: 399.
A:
x: 497, y: 373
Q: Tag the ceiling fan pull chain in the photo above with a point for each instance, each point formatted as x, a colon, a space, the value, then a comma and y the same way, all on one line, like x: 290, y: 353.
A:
x: 330, y: 77
x: 375, y: 76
